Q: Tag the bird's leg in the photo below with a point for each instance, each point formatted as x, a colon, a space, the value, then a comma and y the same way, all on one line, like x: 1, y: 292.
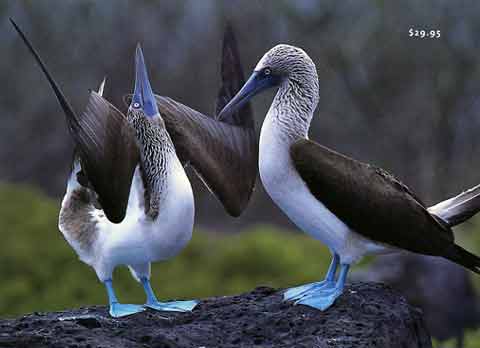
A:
x: 118, y: 309
x: 324, y: 298
x: 298, y: 292
x: 174, y: 306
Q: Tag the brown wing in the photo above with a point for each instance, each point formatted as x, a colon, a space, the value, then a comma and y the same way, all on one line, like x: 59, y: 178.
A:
x: 103, y: 141
x: 370, y: 201
x: 223, y: 155
x: 232, y: 81
x: 109, y: 154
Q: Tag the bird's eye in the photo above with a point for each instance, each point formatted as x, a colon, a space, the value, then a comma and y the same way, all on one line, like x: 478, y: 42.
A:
x: 267, y: 71
x: 136, y: 105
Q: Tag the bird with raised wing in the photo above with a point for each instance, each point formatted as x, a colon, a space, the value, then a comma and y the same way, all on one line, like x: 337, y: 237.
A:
x: 352, y: 207
x: 224, y: 153
x: 128, y: 199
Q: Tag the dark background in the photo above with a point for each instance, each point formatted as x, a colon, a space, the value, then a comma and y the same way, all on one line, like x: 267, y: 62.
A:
x: 410, y: 105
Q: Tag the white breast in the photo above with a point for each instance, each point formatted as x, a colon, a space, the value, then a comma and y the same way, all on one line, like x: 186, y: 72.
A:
x: 139, y: 239
x: 287, y: 189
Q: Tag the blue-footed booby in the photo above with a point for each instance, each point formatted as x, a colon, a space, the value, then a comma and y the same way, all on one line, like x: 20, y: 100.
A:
x: 128, y: 199
x: 352, y: 207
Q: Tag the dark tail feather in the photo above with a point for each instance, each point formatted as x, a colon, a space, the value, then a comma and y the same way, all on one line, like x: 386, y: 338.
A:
x: 103, y: 141
x: 458, y: 209
x: 72, y: 118
x: 232, y: 81
x: 463, y: 257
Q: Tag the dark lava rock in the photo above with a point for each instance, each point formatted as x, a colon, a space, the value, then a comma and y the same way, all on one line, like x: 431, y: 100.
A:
x: 366, y: 315
x: 443, y: 290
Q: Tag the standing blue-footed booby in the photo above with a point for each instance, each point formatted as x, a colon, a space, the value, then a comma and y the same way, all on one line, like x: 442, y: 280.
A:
x: 352, y: 207
x: 128, y: 199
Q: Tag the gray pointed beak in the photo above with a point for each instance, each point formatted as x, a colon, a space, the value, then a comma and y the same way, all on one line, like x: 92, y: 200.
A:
x: 256, y: 83
x: 249, y: 89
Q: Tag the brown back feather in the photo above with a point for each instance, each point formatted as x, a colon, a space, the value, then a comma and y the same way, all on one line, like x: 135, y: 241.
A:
x: 371, y: 202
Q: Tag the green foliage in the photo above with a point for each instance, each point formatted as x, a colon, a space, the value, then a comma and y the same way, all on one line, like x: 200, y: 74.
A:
x: 40, y: 272
x: 472, y: 340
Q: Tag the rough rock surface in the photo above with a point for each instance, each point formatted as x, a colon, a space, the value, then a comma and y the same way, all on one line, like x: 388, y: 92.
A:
x: 443, y: 290
x: 366, y: 315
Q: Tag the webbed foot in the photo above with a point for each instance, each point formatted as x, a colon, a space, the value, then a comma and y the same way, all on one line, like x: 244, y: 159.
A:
x: 118, y: 310
x: 298, y: 292
x: 174, y: 306
x: 322, y: 299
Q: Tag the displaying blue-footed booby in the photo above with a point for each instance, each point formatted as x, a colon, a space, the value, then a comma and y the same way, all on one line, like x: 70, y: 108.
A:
x: 128, y: 199
x: 352, y: 207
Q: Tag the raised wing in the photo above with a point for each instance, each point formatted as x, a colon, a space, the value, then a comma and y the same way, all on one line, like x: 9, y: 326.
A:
x: 104, y: 142
x: 109, y: 154
x: 223, y: 155
x: 232, y: 81
x: 371, y: 202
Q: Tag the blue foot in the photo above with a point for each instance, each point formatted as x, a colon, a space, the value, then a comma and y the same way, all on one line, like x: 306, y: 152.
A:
x: 118, y: 310
x: 293, y: 293
x: 321, y: 300
x: 175, y: 306
x: 325, y: 297
x: 298, y: 292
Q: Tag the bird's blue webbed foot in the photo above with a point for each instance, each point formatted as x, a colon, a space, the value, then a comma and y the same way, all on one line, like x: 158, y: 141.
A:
x: 174, y: 306
x: 118, y: 310
x: 296, y: 293
x: 323, y: 298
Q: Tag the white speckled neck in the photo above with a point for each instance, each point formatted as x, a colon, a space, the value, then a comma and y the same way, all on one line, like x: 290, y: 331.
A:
x: 293, y: 107
x: 297, y: 98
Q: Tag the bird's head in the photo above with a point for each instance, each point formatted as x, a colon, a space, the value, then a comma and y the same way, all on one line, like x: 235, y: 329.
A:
x: 143, y: 100
x: 283, y: 64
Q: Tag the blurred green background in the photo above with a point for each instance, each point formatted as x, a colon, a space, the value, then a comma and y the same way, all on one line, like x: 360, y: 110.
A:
x: 40, y: 272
